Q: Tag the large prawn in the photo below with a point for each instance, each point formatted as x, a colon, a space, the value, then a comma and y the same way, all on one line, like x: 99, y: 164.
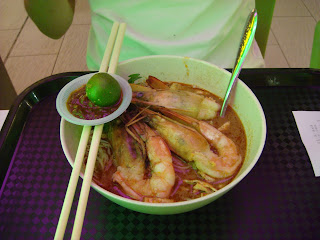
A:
x: 212, y: 153
x: 177, y: 99
x: 131, y: 165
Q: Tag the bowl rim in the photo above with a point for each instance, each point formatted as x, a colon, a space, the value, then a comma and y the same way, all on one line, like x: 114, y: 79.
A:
x: 223, y: 190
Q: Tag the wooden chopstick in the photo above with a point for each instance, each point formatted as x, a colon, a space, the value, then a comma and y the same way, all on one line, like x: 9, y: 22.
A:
x: 117, y: 48
x: 110, y: 46
x: 113, y: 46
x: 87, y: 178
x: 85, y: 189
x: 64, y: 215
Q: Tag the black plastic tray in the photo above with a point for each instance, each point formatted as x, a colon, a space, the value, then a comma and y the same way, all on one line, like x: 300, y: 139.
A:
x: 279, y: 199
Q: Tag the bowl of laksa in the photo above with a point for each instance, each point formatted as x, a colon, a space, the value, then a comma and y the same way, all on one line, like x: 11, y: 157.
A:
x: 170, y: 152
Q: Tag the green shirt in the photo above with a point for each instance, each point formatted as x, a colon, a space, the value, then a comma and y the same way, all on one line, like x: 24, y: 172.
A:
x: 209, y: 30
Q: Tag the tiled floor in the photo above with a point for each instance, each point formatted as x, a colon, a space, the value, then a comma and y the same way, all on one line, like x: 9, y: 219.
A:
x: 28, y: 53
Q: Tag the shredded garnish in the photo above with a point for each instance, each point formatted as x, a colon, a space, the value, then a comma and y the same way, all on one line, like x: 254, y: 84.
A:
x: 134, y: 77
x: 200, y: 185
x: 120, y: 192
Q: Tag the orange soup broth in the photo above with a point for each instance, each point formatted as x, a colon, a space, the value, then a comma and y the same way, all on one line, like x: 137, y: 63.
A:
x: 183, y: 191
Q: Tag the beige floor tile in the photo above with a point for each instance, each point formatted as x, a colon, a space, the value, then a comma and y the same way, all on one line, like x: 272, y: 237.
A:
x: 313, y: 7
x: 82, y: 13
x: 271, y: 39
x: 72, y: 55
x: 32, y: 42
x: 295, y: 37
x: 290, y: 8
x: 26, y: 70
x: 274, y: 57
x: 12, y: 14
x: 7, y: 38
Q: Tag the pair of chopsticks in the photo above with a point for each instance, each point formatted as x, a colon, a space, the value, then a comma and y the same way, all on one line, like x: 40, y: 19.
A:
x: 111, y: 55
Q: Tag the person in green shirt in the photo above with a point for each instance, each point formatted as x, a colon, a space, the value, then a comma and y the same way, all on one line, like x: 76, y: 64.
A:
x: 209, y: 30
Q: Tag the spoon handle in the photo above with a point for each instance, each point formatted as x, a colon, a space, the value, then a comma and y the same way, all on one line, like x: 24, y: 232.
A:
x: 246, y: 41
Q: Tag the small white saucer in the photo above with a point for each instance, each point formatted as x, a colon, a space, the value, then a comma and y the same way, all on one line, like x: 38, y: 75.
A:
x: 61, y: 102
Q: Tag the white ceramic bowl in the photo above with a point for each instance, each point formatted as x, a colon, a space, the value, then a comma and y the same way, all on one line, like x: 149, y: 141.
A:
x: 204, y: 75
